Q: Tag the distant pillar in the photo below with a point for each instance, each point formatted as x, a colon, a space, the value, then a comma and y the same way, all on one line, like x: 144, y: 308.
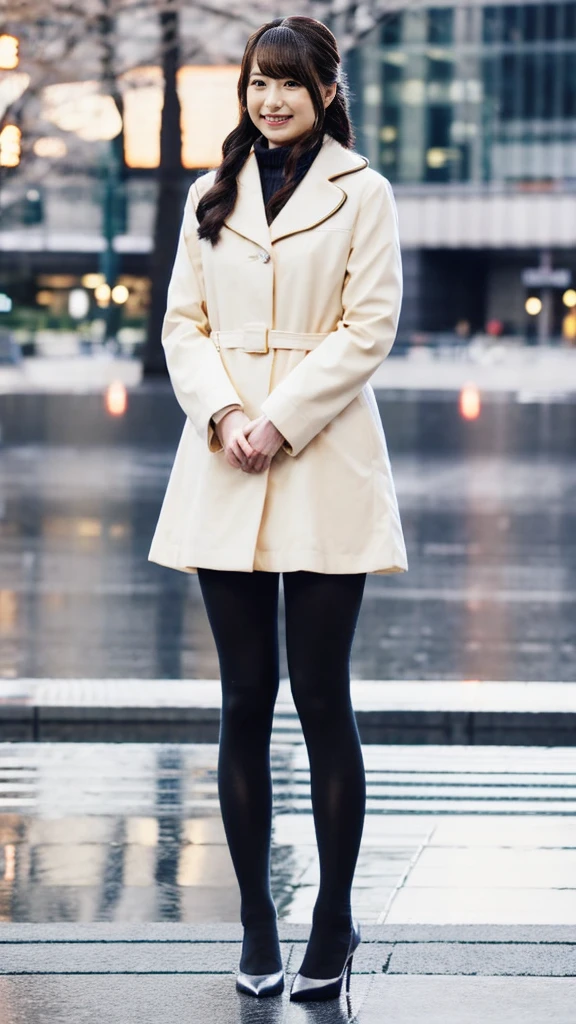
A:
x: 546, y: 313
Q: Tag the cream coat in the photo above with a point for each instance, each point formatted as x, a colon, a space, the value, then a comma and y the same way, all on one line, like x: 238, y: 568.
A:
x: 292, y: 320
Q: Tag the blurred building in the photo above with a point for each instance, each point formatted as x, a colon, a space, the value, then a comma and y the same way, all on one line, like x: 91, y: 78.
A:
x: 471, y: 113
x: 469, y: 110
x: 77, y: 205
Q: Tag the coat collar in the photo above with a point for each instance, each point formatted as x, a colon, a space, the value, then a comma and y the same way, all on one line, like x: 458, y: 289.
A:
x: 315, y: 198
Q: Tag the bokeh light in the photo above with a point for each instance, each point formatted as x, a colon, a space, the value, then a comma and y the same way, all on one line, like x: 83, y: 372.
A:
x: 116, y: 398
x: 469, y: 402
x: 120, y: 294
x: 8, y: 52
x: 533, y: 305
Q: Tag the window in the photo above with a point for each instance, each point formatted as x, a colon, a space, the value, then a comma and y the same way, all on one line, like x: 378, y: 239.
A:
x: 508, y: 88
x: 439, y: 122
x: 511, y: 23
x: 531, y: 95
x: 491, y: 17
x: 532, y: 22
x: 391, y: 31
x: 440, y: 21
x: 568, y: 79
x: 569, y: 31
x: 552, y: 15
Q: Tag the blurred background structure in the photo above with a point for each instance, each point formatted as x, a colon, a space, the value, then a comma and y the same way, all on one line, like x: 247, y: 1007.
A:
x: 109, y: 111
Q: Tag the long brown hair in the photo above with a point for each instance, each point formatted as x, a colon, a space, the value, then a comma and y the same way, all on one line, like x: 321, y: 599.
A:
x: 297, y: 47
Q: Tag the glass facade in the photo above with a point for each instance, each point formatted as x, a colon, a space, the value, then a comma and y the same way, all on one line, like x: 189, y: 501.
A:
x: 475, y: 94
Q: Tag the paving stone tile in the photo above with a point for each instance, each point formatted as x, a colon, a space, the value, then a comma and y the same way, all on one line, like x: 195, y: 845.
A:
x: 483, y: 906
x: 123, y: 958
x: 430, y: 1000
x: 488, y: 868
x: 531, y: 830
x: 374, y: 999
x: 478, y: 958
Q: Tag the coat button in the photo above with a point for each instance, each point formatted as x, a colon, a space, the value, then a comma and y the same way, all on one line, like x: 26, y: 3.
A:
x: 264, y: 256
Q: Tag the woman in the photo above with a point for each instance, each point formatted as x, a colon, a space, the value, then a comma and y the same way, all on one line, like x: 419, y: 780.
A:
x: 284, y: 299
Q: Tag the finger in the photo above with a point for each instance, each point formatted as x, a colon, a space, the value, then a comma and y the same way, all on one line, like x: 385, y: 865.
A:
x: 247, y: 427
x: 244, y: 444
x: 257, y: 462
x: 232, y: 459
x: 237, y: 449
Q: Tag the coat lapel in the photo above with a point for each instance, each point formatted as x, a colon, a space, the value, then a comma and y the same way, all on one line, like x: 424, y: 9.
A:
x: 314, y: 200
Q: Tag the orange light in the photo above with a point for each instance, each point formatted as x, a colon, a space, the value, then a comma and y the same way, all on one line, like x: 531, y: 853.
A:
x: 8, y: 52
x: 10, y: 138
x: 120, y: 294
x: 102, y: 294
x: 209, y: 102
x: 116, y: 398
x: 9, y: 862
x: 470, y: 402
x: 8, y: 611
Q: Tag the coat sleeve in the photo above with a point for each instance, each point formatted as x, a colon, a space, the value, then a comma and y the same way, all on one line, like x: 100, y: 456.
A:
x: 330, y: 376
x: 196, y: 370
x: 217, y: 416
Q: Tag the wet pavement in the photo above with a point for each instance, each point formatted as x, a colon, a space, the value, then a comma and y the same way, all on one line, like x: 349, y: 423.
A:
x: 464, y: 887
x: 117, y: 895
x: 404, y: 1000
x: 132, y: 833
x: 488, y: 511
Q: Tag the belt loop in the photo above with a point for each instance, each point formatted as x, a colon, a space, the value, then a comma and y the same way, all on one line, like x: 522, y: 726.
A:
x: 256, y: 338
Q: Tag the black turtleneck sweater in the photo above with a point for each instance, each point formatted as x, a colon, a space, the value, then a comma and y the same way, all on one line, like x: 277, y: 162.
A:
x: 271, y: 165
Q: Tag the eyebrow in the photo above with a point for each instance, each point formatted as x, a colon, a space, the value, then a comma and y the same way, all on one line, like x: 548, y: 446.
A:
x: 259, y: 74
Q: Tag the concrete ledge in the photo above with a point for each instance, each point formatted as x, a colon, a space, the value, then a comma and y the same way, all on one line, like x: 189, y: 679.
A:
x: 472, y: 728
x: 387, y: 712
x: 134, y: 724
x: 17, y: 723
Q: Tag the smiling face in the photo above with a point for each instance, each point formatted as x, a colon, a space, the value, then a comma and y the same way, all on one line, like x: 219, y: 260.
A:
x: 282, y: 108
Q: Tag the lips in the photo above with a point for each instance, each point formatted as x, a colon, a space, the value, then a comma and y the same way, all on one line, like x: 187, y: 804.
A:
x: 281, y: 120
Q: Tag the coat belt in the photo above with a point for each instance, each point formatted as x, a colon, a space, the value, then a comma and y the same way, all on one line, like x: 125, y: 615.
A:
x: 259, y: 338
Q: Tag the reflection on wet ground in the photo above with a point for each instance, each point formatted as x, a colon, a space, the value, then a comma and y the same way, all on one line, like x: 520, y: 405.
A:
x: 133, y: 833
x: 490, y: 594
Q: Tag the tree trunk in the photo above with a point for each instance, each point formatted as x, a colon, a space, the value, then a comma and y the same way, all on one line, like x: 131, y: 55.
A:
x: 170, y: 194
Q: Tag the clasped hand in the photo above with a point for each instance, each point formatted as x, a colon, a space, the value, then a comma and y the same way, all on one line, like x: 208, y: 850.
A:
x: 248, y: 444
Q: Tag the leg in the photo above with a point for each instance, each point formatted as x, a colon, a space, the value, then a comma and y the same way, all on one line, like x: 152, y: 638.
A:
x: 242, y: 609
x: 321, y: 615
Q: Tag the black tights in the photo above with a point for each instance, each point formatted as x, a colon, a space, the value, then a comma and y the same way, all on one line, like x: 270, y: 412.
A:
x: 321, y: 615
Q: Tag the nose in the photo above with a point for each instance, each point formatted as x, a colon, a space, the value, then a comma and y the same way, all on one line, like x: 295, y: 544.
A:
x: 273, y: 99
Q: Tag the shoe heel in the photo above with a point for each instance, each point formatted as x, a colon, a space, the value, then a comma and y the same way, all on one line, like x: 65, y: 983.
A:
x: 348, y: 973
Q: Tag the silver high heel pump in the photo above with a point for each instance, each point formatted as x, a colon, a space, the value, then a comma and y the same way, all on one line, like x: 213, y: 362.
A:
x: 305, y: 989
x: 260, y: 984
